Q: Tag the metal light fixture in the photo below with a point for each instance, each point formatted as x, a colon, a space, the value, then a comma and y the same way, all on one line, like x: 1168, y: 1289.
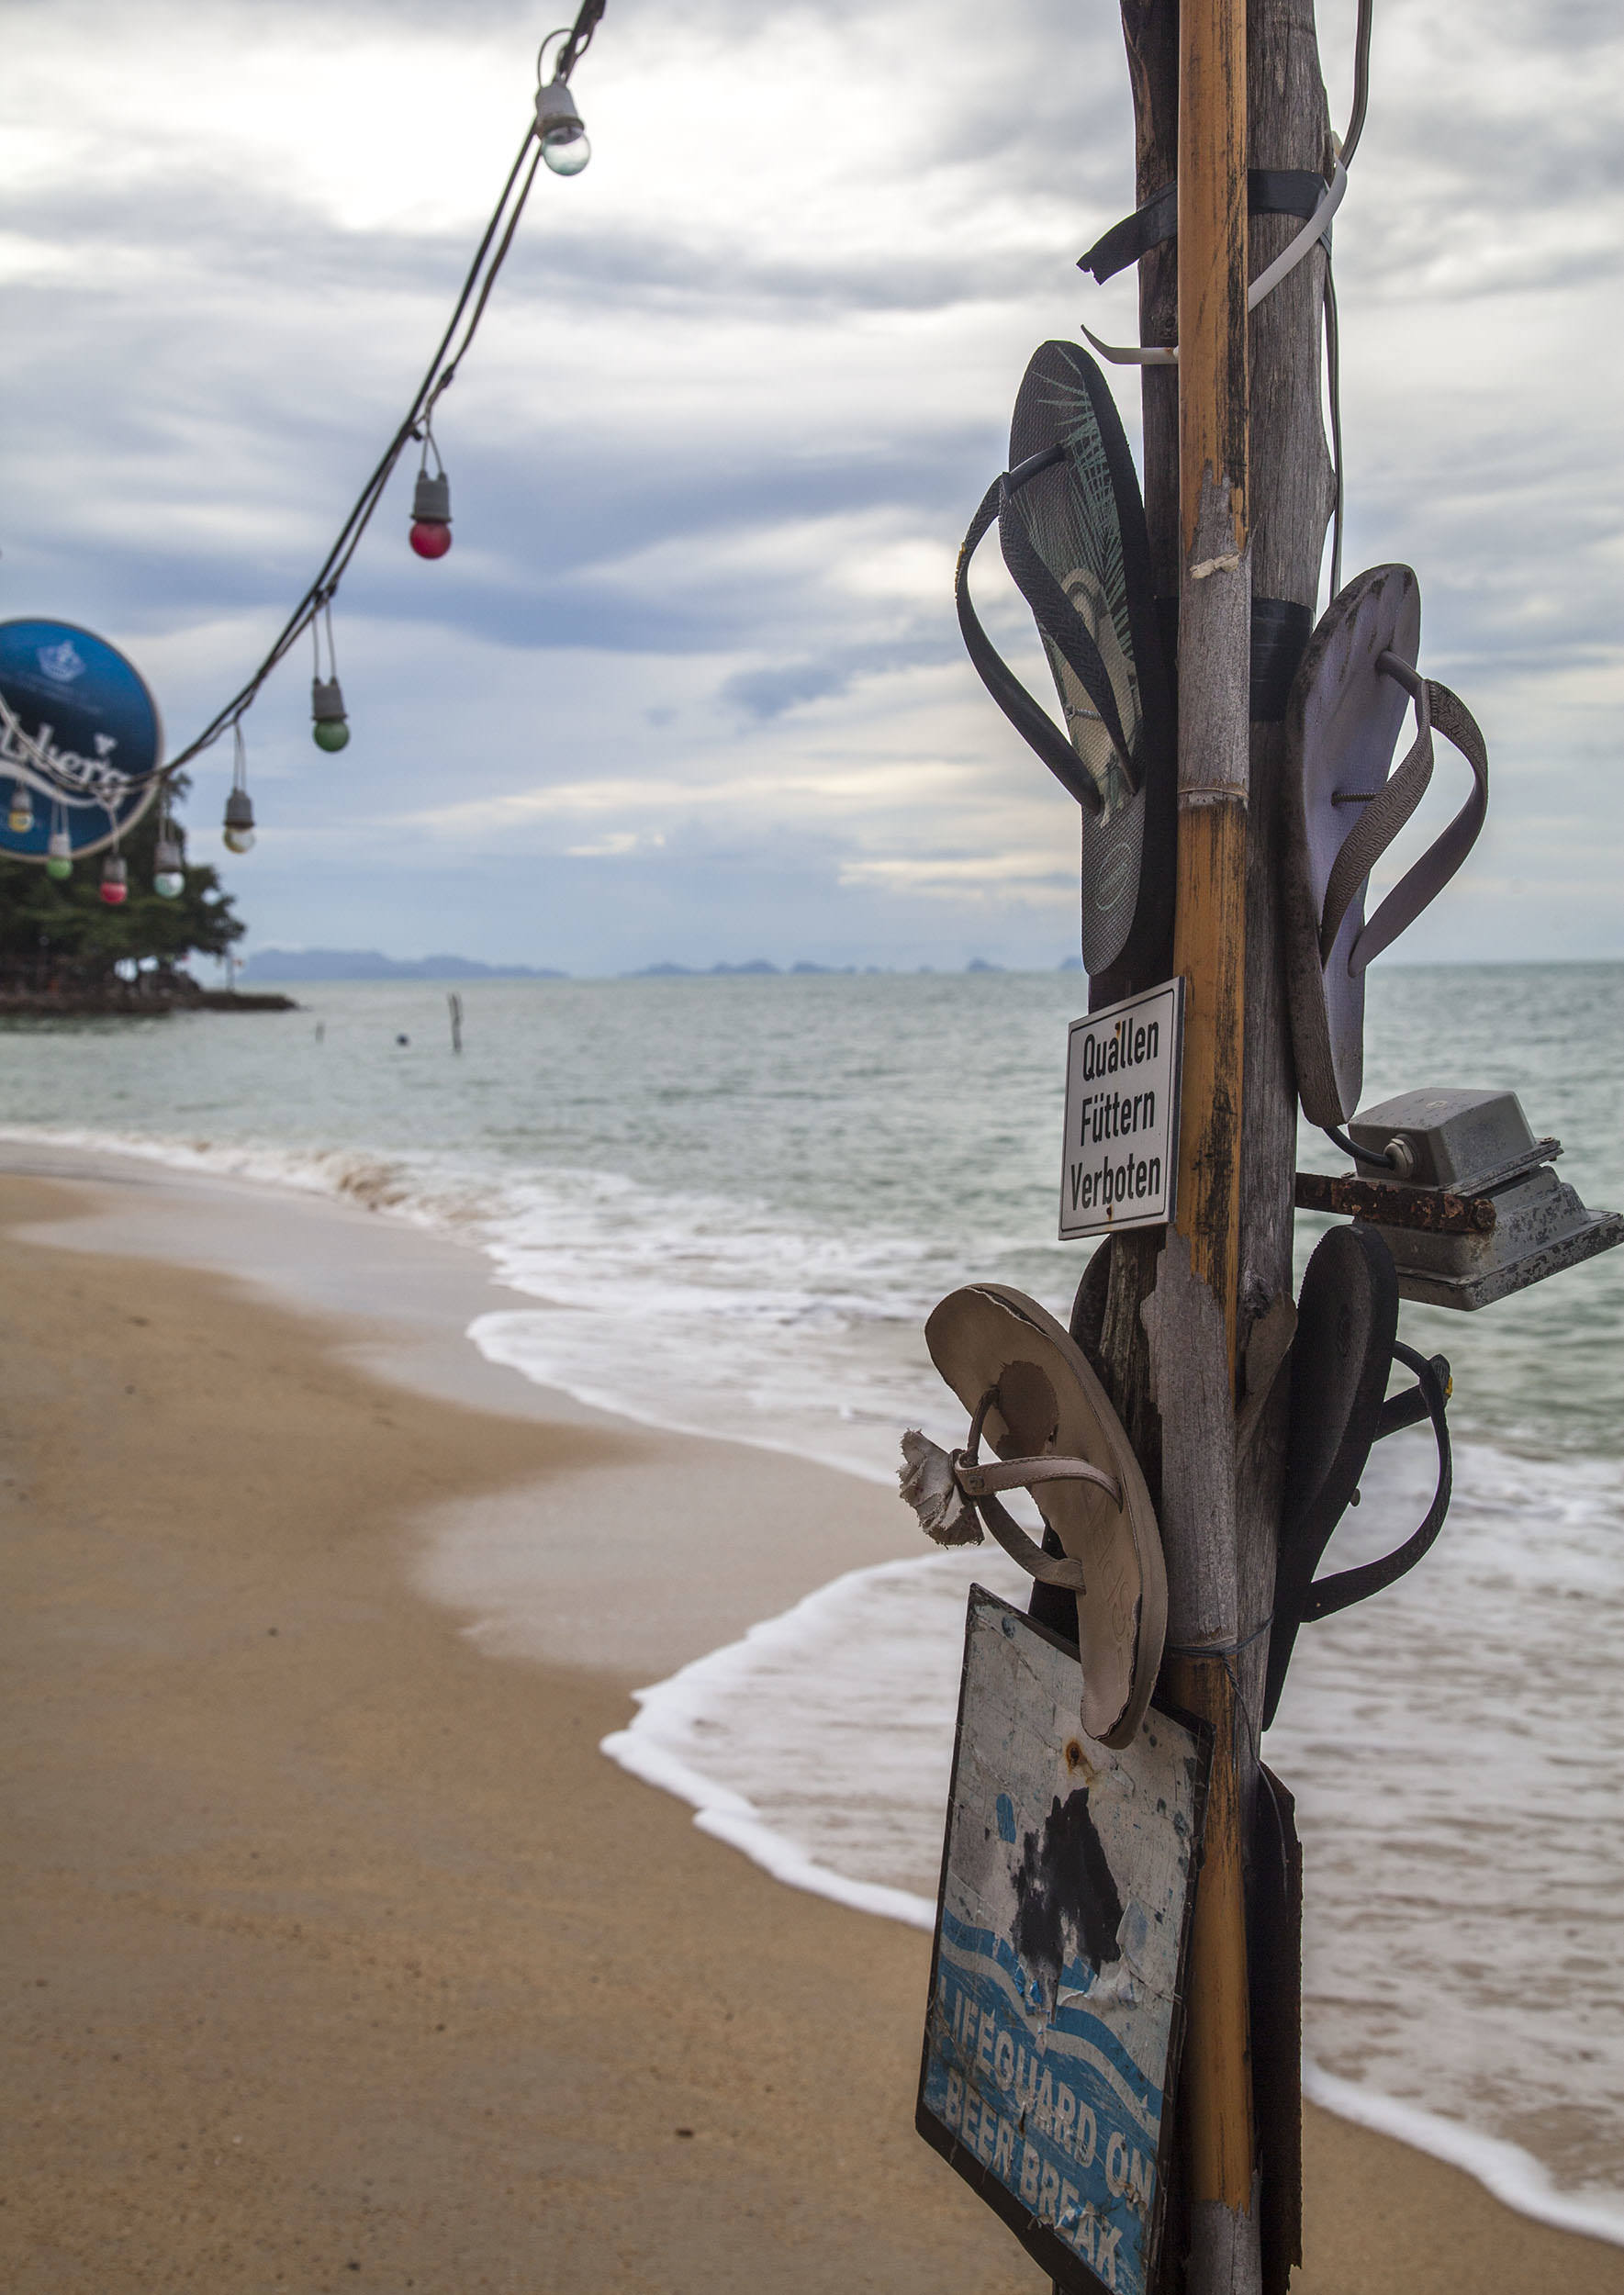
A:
x: 239, y: 821
x: 330, y: 728
x: 563, y: 134
x: 1468, y: 1205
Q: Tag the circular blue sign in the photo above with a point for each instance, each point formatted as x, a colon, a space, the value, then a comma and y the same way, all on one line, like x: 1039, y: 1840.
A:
x: 79, y: 733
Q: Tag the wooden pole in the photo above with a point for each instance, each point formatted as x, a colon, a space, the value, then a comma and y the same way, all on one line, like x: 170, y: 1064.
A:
x: 1231, y: 488
x: 1197, y: 1285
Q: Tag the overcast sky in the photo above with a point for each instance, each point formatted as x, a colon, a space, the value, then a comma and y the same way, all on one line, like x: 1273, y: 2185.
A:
x: 689, y: 684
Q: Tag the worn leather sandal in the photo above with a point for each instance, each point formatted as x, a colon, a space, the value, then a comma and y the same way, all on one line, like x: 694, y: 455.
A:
x: 1345, y: 1344
x: 1033, y: 1396
x: 1071, y: 527
x: 1343, y: 809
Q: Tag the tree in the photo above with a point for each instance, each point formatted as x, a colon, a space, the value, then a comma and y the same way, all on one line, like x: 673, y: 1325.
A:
x: 51, y: 929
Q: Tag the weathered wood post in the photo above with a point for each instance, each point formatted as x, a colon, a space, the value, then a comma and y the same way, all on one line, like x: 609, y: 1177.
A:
x: 1237, y: 492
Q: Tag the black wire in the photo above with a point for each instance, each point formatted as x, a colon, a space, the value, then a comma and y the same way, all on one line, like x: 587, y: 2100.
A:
x: 1360, y: 1155
x: 580, y: 36
x: 337, y: 561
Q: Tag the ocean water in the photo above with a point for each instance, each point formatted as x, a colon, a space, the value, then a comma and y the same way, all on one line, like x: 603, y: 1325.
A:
x: 728, y: 1206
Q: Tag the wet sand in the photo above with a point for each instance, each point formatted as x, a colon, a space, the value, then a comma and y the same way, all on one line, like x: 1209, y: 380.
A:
x: 335, y: 1953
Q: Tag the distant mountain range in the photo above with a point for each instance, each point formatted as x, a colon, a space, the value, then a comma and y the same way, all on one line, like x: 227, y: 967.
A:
x: 272, y: 966
x: 366, y: 964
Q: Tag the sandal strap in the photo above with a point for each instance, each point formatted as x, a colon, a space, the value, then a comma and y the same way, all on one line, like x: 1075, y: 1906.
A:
x: 1439, y: 710
x: 977, y: 1481
x: 1385, y: 814
x: 1055, y: 614
x: 1032, y: 722
x: 1422, y: 884
x: 1327, y: 1596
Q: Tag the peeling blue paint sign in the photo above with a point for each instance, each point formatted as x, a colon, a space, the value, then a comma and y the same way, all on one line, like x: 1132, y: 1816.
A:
x: 1052, y: 2036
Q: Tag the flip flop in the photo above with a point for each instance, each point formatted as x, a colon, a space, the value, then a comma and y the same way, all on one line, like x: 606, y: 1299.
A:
x: 1342, y: 812
x: 1345, y: 1343
x: 1071, y: 526
x: 1030, y: 1391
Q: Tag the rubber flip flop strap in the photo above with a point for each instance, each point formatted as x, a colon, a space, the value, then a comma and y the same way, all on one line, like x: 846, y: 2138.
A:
x: 1327, y: 1596
x: 1033, y: 723
x: 1422, y: 884
x: 978, y: 1484
x: 1386, y: 812
x: 1020, y: 1550
x: 977, y: 1481
x: 1055, y: 614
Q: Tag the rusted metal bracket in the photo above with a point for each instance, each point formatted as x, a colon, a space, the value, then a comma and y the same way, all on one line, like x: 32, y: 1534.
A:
x: 1436, y: 1209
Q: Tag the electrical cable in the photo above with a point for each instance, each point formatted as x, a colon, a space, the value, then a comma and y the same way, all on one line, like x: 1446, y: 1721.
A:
x: 438, y: 377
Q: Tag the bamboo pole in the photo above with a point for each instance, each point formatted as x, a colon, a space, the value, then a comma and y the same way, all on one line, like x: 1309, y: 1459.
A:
x: 1219, y: 1510
x: 1198, y: 1313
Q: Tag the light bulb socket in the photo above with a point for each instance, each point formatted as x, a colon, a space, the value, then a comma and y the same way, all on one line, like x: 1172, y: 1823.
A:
x: 327, y: 700
x: 432, y: 500
x: 239, y: 810
x: 168, y: 856
x: 557, y: 118
x: 61, y: 846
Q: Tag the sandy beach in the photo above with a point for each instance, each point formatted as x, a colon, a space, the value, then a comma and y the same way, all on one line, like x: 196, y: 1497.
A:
x: 337, y: 1955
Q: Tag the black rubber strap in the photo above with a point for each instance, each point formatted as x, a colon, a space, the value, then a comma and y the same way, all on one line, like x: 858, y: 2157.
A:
x: 1034, y: 724
x: 1058, y: 618
x: 1270, y: 191
x: 1410, y: 1408
x: 1327, y: 1596
x: 1280, y: 632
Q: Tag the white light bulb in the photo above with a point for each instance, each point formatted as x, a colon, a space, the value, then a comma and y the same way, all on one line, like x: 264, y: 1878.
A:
x: 567, y: 151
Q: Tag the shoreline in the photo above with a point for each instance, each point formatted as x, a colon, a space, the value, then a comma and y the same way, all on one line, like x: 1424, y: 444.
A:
x: 409, y: 1355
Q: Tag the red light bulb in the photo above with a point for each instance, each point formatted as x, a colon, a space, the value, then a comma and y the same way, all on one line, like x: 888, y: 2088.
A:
x: 431, y: 537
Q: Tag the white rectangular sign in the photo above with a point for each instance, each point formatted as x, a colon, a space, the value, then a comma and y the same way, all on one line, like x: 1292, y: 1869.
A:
x: 1123, y: 1071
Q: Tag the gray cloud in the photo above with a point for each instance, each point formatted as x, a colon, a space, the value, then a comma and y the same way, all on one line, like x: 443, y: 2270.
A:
x: 737, y: 394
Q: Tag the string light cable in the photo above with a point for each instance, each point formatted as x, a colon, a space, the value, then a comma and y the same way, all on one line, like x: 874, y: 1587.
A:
x: 556, y: 133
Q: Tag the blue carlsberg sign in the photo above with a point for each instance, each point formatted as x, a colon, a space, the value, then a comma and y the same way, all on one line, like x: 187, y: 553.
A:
x: 79, y: 731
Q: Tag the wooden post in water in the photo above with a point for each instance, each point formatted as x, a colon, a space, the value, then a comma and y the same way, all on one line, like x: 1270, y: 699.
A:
x: 1237, y: 494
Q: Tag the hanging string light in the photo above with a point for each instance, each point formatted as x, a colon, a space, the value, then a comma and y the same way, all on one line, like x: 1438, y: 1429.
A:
x: 431, y: 501
x: 20, y: 818
x: 554, y: 134
x: 169, y: 860
x: 115, y: 884
x: 559, y: 124
x: 331, y: 727
x: 58, y: 845
x: 239, y: 821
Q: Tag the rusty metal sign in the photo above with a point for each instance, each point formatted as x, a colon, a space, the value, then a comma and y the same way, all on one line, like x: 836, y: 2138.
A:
x: 1051, y: 2040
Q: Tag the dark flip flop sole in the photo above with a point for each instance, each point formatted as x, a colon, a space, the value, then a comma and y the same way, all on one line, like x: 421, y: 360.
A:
x: 1071, y: 527
x: 1347, y: 1322
x: 1342, y: 724
x: 1347, y: 1334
